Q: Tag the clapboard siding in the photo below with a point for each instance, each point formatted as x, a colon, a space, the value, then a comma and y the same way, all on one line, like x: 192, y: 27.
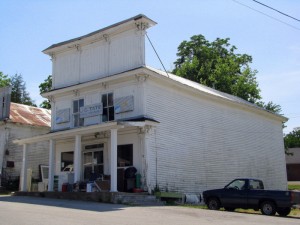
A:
x: 66, y: 69
x: 99, y: 59
x: 126, y: 52
x: 38, y: 153
x: 201, y: 143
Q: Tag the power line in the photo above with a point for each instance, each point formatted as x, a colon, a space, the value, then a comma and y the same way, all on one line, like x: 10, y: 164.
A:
x: 277, y: 10
x: 266, y: 15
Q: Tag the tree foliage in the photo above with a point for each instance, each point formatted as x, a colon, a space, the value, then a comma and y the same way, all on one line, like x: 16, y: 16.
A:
x: 45, y: 87
x: 4, y: 80
x: 270, y: 106
x: 292, y: 139
x: 19, y: 93
x: 217, y: 65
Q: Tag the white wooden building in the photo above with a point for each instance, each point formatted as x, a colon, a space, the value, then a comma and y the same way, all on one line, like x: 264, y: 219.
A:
x: 111, y: 111
x: 21, y: 121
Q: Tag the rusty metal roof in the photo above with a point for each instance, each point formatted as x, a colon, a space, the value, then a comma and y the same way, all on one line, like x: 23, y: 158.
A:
x: 29, y: 115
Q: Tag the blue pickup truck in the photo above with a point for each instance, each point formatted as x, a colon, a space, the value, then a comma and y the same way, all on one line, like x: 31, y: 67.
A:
x: 250, y: 194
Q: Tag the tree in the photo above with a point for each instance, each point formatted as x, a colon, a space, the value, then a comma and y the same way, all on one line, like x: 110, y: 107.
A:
x: 217, y: 65
x: 45, y: 87
x: 270, y: 106
x: 18, y: 91
x: 4, y: 80
x: 292, y: 139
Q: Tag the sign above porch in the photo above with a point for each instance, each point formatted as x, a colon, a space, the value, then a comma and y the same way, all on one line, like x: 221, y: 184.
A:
x: 91, y: 110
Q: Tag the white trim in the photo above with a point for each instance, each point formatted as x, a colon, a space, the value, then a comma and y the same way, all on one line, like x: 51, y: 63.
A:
x: 70, y: 133
x: 113, y: 159
x: 77, y: 158
x: 51, y: 164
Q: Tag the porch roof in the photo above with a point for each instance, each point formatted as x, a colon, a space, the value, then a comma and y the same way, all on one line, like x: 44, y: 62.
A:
x: 58, y: 135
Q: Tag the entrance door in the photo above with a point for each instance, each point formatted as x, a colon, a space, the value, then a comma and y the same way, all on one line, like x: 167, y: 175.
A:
x: 93, y: 162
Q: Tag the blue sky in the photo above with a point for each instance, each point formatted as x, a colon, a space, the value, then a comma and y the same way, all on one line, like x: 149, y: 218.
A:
x: 28, y: 27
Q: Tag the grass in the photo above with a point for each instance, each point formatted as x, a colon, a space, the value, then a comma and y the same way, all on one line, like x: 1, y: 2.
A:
x: 5, y: 193
x: 294, y: 187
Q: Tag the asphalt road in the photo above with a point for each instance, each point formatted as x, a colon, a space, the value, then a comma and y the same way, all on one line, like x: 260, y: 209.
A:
x: 18, y: 210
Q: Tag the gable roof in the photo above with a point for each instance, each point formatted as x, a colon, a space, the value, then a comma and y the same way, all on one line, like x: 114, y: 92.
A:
x: 29, y: 115
x: 105, y: 29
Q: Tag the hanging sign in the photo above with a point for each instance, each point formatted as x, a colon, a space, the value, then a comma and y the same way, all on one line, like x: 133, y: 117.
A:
x: 124, y: 104
x: 62, y: 116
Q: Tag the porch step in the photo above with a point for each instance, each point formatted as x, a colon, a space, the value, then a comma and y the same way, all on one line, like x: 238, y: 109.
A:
x: 139, y: 199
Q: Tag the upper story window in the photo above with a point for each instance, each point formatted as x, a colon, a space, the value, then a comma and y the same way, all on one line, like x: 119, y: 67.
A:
x: 108, y: 107
x: 77, y: 121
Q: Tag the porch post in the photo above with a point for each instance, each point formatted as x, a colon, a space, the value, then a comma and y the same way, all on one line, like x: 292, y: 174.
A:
x: 77, y: 158
x: 113, y: 159
x: 51, y: 164
x: 24, y: 168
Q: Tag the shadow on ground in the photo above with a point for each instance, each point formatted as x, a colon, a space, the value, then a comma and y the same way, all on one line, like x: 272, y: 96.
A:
x: 73, y: 204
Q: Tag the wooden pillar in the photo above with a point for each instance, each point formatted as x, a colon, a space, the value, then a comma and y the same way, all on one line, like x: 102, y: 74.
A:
x: 51, y: 164
x: 24, y: 169
x: 113, y: 159
x: 77, y: 158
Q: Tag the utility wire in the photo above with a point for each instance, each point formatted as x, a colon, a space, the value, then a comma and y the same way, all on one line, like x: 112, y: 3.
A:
x: 157, y: 55
x: 266, y: 15
x: 277, y: 10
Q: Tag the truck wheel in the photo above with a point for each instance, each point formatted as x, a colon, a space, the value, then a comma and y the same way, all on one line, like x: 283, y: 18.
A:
x: 284, y: 211
x: 268, y: 208
x: 213, y: 204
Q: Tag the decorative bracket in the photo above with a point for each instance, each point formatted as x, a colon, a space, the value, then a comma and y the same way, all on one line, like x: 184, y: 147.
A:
x: 76, y: 92
x: 104, y: 85
x: 51, y: 98
x: 142, y: 25
x: 78, y: 47
x: 106, y: 38
x: 53, y: 57
x: 141, y: 77
x: 145, y: 130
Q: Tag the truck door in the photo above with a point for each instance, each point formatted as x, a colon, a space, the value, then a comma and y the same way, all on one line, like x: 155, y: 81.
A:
x: 235, y: 194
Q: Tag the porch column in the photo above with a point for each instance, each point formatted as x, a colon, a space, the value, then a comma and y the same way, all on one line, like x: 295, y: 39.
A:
x: 51, y: 164
x: 77, y: 158
x: 113, y: 159
x: 24, y: 168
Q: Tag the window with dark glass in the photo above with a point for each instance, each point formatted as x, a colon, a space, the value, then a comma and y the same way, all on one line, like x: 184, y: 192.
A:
x: 77, y: 121
x: 125, y: 155
x: 108, y: 107
x: 67, y: 160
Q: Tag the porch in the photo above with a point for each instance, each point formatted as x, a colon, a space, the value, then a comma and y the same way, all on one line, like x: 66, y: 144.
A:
x: 108, y: 134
